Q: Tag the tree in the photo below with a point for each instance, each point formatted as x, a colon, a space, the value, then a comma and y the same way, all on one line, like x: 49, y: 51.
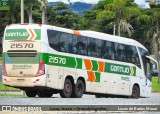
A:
x: 28, y: 8
x: 124, y: 10
x: 60, y: 15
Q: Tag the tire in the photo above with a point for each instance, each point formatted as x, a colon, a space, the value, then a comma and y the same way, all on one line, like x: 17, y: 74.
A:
x: 45, y: 94
x: 79, y: 89
x: 135, y: 92
x: 67, y: 90
x: 31, y: 93
x: 98, y: 96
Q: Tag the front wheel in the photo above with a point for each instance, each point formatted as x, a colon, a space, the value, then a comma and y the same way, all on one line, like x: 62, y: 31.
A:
x: 67, y: 90
x: 135, y: 92
x: 31, y: 93
x: 78, y: 89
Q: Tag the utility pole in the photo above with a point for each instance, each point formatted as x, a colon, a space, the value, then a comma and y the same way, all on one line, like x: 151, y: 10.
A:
x: 43, y: 8
x: 22, y: 11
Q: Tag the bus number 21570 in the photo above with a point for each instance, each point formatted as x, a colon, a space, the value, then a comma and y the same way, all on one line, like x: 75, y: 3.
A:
x: 57, y: 60
x: 22, y: 45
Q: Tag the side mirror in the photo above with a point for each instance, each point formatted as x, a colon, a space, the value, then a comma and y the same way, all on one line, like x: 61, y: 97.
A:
x: 155, y: 73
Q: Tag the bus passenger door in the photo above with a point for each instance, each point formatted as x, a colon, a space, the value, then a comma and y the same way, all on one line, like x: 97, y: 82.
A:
x: 148, y: 84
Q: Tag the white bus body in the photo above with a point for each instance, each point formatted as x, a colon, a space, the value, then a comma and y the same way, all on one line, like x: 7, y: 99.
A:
x: 43, y: 59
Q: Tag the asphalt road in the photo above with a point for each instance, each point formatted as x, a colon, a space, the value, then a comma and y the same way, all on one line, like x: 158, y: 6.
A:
x: 85, y: 100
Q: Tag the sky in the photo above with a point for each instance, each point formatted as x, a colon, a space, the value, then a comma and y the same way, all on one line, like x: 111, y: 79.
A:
x: 96, y: 1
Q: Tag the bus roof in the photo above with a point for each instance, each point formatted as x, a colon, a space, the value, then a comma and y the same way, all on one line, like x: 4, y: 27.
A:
x: 88, y: 33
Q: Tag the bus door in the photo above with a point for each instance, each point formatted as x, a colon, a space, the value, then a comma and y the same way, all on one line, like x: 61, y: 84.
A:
x: 147, y: 80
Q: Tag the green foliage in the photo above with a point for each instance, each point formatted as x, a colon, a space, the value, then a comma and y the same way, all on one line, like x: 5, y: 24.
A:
x: 155, y: 85
x: 3, y: 87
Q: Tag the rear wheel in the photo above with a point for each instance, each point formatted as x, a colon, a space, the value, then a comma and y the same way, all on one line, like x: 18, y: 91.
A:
x: 67, y: 90
x: 135, y: 92
x: 78, y: 89
x: 98, y: 96
x: 31, y: 93
x: 45, y: 94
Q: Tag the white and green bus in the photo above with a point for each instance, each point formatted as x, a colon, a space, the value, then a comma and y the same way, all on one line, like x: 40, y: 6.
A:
x: 44, y: 60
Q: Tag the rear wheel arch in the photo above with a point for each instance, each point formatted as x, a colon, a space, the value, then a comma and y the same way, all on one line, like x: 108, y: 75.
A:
x: 70, y: 78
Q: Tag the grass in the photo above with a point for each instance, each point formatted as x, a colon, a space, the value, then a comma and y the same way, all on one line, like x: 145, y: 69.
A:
x: 155, y: 85
x: 0, y: 60
x: 18, y: 95
x: 3, y: 87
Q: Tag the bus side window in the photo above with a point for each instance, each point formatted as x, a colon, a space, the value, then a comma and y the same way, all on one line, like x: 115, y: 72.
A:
x: 135, y: 59
x: 92, y: 47
x: 120, y: 52
x: 98, y: 48
x: 74, y: 49
x: 132, y: 55
x: 65, y: 44
x: 81, y: 45
x: 108, y: 50
x: 103, y: 50
x: 53, y: 39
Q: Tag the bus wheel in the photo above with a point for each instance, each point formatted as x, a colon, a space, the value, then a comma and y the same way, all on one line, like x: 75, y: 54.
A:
x: 31, y: 93
x: 98, y: 96
x: 45, y: 94
x: 78, y: 89
x: 67, y: 91
x: 135, y: 92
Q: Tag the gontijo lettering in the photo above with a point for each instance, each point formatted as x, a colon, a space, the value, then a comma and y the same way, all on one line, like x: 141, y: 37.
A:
x: 119, y: 69
x: 17, y: 34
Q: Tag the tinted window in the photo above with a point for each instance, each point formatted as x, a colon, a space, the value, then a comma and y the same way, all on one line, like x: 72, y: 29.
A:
x: 80, y: 44
x: 108, y: 50
x: 98, y: 48
x: 143, y: 54
x: 53, y: 38
x: 65, y: 43
x: 132, y: 55
x: 92, y: 47
x: 120, y: 52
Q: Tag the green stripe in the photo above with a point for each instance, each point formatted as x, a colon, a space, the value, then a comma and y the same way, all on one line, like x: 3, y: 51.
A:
x: 118, y: 69
x: 134, y: 68
x: 70, y: 62
x: 38, y: 33
x: 44, y: 57
x: 94, y: 65
x: 79, y: 63
x: 59, y: 60
x: 98, y: 76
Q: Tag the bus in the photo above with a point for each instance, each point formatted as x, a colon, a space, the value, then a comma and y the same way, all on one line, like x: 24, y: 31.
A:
x: 43, y: 60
